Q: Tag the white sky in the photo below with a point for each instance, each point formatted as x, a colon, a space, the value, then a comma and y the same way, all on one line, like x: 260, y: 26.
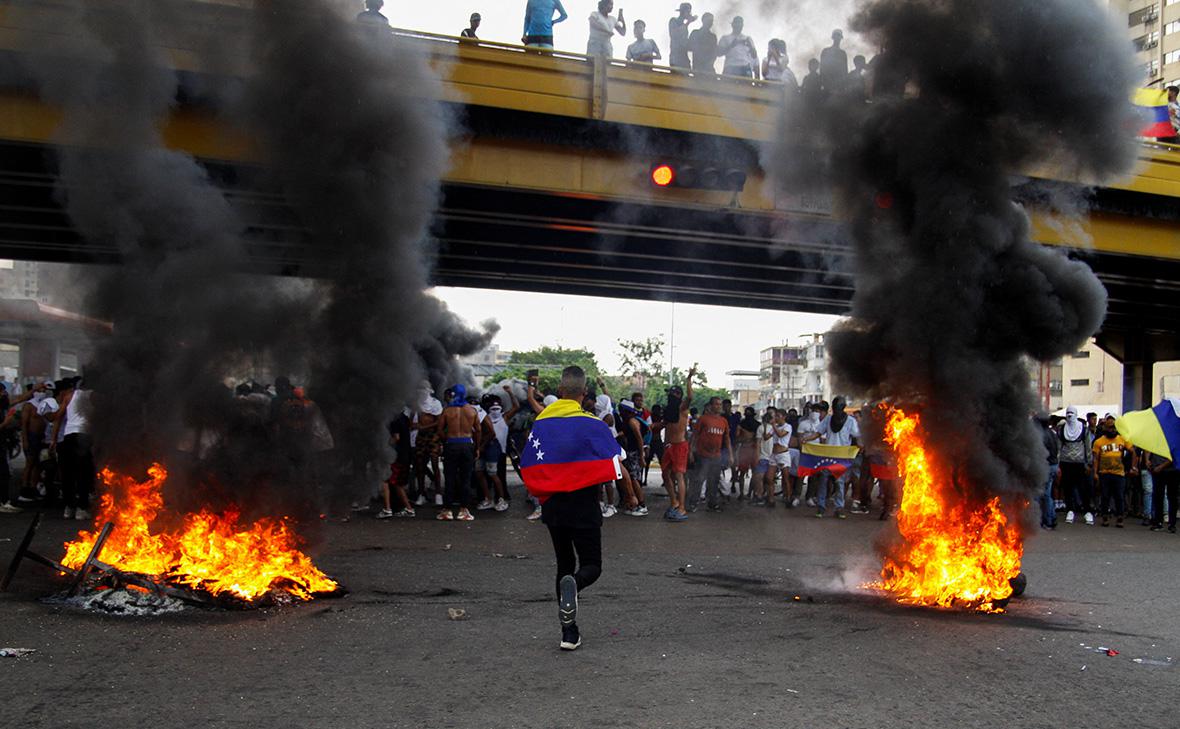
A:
x: 720, y: 339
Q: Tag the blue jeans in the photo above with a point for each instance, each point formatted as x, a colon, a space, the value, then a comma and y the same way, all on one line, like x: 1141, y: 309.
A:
x: 1148, y: 488
x: 821, y: 491
x: 1048, y: 508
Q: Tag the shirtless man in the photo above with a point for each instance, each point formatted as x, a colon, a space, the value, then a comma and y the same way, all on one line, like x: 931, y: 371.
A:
x: 675, y: 458
x: 427, y: 447
x: 459, y: 427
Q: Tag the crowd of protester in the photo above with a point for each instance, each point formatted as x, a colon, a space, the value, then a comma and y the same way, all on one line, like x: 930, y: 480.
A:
x: 1096, y: 474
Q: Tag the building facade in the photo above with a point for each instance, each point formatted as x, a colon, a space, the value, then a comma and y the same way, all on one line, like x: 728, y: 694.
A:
x: 1154, y: 28
x: 781, y: 376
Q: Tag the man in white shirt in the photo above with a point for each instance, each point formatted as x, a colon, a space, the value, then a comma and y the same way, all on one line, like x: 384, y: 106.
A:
x: 741, y: 57
x: 782, y: 455
x: 763, y: 479
x: 839, y: 429
x: 603, y: 26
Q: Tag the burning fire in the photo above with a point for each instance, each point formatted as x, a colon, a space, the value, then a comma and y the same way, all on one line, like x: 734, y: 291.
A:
x: 954, y: 553
x: 209, y: 552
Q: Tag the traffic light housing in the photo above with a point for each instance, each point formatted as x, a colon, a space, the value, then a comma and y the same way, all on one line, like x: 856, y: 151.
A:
x: 697, y: 176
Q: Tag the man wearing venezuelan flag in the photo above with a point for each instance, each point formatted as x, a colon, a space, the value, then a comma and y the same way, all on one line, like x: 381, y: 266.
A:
x: 569, y: 454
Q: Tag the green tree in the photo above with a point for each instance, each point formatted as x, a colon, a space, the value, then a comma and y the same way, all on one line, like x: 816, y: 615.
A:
x: 549, y: 362
x: 701, y: 392
x: 642, y: 360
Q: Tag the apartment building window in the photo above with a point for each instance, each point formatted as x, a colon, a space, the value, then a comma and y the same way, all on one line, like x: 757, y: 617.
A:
x: 1145, y: 15
x: 1172, y: 27
x: 1079, y: 383
x: 1084, y: 354
x: 1149, y: 41
x: 1172, y: 57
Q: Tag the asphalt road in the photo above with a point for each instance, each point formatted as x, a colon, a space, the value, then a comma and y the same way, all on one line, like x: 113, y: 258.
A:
x: 691, y: 625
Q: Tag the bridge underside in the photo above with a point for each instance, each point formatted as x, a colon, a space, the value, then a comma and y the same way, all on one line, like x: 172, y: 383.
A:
x: 500, y: 238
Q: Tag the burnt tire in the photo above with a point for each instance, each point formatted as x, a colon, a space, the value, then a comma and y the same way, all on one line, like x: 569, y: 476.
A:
x: 1018, y: 583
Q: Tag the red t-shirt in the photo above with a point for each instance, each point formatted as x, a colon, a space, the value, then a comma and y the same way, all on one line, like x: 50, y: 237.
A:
x: 712, y: 430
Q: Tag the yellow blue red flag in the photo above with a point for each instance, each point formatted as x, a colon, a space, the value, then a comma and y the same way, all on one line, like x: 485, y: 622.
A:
x: 567, y: 450
x: 816, y: 457
x: 1154, y: 104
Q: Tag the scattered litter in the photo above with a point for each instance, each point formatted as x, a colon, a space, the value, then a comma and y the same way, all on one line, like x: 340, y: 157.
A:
x: 6, y: 539
x: 1083, y: 668
x: 124, y: 602
x: 456, y: 614
x: 446, y: 547
x: 1111, y: 652
x: 1152, y: 662
x: 792, y: 691
x: 16, y: 652
x: 509, y: 556
x: 614, y: 631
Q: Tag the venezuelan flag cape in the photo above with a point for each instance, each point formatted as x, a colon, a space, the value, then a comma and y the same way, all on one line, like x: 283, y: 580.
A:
x: 1156, y: 430
x: 1154, y: 105
x: 568, y: 450
x: 818, y: 457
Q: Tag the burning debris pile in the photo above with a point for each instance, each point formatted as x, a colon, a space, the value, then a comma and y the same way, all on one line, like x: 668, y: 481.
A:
x: 206, y: 552
x: 348, y: 137
x: 952, y: 294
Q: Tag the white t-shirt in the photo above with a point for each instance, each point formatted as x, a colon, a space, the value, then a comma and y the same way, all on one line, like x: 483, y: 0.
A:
x: 602, y: 27
x: 782, y: 435
x: 645, y: 47
x: 842, y: 438
x: 738, y: 50
x: 765, y: 445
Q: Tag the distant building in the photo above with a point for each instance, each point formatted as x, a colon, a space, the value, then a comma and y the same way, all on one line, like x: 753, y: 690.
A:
x: 745, y: 388
x: 1154, y: 31
x: 1093, y: 379
x: 487, y: 364
x: 781, y: 376
x: 21, y: 280
x: 817, y: 384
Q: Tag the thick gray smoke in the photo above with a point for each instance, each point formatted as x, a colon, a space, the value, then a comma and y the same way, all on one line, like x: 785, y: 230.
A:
x: 345, y: 120
x: 951, y: 291
x: 359, y: 147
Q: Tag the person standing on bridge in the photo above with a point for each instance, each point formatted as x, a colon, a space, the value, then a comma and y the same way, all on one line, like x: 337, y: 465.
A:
x: 702, y: 42
x: 371, y: 17
x: 678, y: 34
x: 643, y: 50
x: 470, y: 30
x: 539, y: 22
x: 833, y: 65
x: 741, y: 56
x: 603, y: 26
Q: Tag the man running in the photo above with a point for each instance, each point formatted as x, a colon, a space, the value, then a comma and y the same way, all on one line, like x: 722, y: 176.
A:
x: 569, y: 454
x: 675, y: 459
x: 459, y: 427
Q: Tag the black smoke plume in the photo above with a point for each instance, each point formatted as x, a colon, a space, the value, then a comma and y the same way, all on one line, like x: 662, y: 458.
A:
x: 357, y: 142
x: 952, y: 294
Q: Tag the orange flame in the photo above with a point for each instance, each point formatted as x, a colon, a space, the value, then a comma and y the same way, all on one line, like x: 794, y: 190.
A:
x: 210, y: 552
x: 954, y: 553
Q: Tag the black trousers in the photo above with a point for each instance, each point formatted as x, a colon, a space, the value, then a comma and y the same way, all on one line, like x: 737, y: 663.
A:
x: 579, y: 553
x: 1076, y: 485
x: 458, y: 466
x: 1165, y: 482
x: 77, y: 470
x: 1114, y: 488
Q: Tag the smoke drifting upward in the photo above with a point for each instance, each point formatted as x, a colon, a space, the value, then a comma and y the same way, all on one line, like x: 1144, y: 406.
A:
x: 359, y: 146
x: 346, y: 121
x: 951, y: 291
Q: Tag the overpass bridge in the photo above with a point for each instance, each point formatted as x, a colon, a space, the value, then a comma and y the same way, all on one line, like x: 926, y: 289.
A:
x: 549, y: 188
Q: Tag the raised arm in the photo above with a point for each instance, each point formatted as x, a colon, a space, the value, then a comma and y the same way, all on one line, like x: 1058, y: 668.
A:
x: 562, y: 15
x: 684, y: 406
x: 537, y: 407
x: 515, y: 403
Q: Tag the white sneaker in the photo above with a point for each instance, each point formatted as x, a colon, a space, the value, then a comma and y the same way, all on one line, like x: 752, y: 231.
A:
x: 501, y: 505
x: 438, y: 499
x: 465, y: 515
x: 385, y: 514
x: 609, y: 511
x: 8, y: 508
x: 484, y: 505
x: 811, y: 502
x: 68, y: 513
x: 535, y: 515
x: 405, y: 513
x: 795, y: 502
x: 1089, y: 519
x: 1069, y: 517
x: 82, y: 515
x: 421, y: 500
x: 641, y: 510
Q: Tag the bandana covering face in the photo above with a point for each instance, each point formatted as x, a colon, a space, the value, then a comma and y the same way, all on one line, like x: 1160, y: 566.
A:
x: 602, y: 406
x: 1073, y: 426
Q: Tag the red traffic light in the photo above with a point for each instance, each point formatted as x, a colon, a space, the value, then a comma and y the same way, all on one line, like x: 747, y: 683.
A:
x: 663, y: 175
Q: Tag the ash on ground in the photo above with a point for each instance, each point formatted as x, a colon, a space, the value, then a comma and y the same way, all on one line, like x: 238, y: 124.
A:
x: 123, y: 601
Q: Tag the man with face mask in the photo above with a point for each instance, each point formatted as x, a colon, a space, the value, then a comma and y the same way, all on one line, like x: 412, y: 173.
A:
x: 842, y: 430
x: 1075, y: 458
x: 1110, y: 452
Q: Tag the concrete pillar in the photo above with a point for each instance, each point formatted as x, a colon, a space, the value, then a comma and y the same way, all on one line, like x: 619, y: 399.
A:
x: 1138, y: 384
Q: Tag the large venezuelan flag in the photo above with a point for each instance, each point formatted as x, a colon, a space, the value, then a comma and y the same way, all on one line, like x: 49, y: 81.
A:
x: 821, y: 457
x: 1154, y: 104
x: 1156, y: 430
x: 568, y: 450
